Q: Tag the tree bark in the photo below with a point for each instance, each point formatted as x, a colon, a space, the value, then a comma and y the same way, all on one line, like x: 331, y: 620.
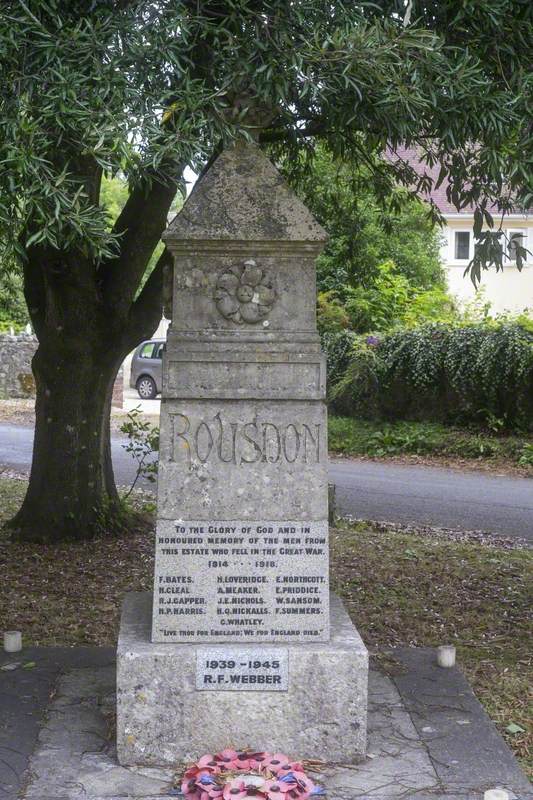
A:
x: 71, y: 493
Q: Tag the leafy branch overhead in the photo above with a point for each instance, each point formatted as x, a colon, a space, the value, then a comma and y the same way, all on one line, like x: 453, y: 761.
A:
x: 92, y: 87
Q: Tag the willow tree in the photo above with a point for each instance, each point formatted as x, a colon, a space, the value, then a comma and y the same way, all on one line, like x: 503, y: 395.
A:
x: 146, y: 87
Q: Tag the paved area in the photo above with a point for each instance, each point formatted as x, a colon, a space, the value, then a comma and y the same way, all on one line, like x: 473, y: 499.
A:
x: 371, y: 490
x: 428, y: 736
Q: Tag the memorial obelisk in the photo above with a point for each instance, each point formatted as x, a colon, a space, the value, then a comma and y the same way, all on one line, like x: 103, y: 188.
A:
x: 245, y: 648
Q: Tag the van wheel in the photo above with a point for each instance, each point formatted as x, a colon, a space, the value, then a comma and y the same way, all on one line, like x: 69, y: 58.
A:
x: 146, y: 388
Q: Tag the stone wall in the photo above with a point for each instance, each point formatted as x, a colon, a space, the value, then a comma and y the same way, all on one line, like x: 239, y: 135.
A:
x: 16, y: 353
x: 16, y: 378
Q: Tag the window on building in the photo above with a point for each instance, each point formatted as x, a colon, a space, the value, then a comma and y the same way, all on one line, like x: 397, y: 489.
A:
x: 462, y: 245
x: 515, y: 239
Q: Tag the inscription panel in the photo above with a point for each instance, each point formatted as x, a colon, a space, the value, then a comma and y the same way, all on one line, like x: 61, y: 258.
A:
x: 238, y: 580
x: 245, y: 379
x: 243, y: 669
x: 242, y: 459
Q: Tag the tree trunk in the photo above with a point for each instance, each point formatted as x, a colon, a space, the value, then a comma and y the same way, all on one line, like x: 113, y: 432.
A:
x: 71, y: 493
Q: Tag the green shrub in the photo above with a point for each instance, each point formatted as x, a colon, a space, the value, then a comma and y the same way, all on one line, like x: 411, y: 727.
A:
x: 480, y: 373
x: 339, y: 348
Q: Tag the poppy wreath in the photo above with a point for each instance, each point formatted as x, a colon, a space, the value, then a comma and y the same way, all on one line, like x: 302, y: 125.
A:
x: 232, y: 775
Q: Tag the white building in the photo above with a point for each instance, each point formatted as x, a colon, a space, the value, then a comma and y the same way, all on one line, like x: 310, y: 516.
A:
x: 506, y: 290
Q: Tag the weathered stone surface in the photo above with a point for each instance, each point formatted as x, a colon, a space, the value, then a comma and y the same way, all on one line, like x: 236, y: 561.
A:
x: 262, y: 459
x: 162, y: 717
x: 243, y: 196
x: 401, y: 764
x: 242, y: 515
x: 16, y: 377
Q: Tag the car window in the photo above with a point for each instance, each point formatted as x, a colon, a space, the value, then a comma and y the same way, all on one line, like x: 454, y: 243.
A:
x: 147, y: 350
x: 159, y: 348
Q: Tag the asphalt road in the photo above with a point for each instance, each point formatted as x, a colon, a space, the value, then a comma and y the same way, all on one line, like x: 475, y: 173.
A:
x: 376, y: 490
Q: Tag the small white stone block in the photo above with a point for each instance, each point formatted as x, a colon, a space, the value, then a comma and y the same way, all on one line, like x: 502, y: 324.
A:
x: 162, y: 718
x: 12, y: 641
x: 496, y: 794
x: 446, y: 655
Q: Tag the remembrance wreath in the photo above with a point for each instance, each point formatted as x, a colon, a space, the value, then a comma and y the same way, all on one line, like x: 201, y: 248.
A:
x: 232, y: 775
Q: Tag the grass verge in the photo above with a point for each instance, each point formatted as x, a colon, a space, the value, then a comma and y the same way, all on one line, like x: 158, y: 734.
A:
x: 357, y: 437
x: 400, y: 589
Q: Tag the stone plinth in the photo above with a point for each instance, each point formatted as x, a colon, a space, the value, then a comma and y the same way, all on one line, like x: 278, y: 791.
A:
x: 163, y: 716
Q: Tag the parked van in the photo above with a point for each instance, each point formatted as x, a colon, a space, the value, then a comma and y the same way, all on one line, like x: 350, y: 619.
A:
x: 146, y: 368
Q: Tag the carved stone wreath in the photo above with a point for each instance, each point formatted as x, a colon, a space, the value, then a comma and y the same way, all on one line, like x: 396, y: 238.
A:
x: 245, y: 294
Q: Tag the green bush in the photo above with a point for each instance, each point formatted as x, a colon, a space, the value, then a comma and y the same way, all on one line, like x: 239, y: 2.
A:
x: 339, y: 348
x: 480, y: 373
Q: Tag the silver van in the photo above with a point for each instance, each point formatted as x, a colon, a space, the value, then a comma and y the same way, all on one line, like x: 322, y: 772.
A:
x: 146, y: 368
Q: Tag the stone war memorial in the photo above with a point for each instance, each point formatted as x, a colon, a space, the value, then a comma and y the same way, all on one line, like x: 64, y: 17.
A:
x: 242, y: 643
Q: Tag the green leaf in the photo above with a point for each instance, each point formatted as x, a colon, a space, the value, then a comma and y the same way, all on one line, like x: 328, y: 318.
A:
x: 513, y: 728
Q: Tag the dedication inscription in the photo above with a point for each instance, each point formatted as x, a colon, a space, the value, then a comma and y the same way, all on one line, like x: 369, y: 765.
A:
x: 242, y: 669
x: 242, y: 580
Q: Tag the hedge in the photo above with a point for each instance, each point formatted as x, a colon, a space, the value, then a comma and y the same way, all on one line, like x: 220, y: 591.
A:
x: 479, y: 373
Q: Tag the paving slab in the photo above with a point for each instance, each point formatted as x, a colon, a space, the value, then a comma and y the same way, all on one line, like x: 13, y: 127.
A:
x: 465, y: 747
x: 58, y: 741
x: 25, y: 694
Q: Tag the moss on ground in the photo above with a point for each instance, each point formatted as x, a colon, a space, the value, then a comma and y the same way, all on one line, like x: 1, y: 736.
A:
x: 400, y: 589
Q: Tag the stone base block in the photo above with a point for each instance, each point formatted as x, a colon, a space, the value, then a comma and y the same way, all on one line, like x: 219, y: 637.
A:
x: 163, y: 718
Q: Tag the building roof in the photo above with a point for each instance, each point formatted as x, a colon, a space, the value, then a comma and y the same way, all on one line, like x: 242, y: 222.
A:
x: 437, y: 195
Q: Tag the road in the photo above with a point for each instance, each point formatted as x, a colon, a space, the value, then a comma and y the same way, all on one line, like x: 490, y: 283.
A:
x: 376, y: 490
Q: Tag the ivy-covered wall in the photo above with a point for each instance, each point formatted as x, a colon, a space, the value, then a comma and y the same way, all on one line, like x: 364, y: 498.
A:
x: 469, y: 374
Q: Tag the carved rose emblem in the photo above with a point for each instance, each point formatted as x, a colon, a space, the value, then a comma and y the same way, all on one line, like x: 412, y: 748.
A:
x: 244, y: 294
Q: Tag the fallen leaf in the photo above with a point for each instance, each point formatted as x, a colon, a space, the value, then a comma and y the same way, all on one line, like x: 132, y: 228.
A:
x: 514, y: 728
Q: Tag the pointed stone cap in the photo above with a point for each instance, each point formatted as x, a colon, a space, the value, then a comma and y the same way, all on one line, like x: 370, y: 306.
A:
x: 243, y: 197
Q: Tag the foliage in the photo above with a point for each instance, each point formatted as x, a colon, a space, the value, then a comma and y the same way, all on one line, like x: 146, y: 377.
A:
x: 481, y: 373
x: 382, y: 304
x: 526, y: 455
x: 362, y: 235
x: 338, y: 348
x: 127, y: 87
x: 143, y: 444
x: 375, y: 438
x: 331, y: 314
x: 144, y: 88
x: 387, y: 301
x: 13, y: 311
x: 113, y: 196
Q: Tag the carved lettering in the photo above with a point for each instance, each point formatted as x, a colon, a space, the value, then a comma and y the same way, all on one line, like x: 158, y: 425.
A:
x: 244, y: 443
x: 179, y: 436
x: 272, y: 457
x: 234, y: 426
x: 208, y: 442
x: 315, y: 440
x: 295, y: 444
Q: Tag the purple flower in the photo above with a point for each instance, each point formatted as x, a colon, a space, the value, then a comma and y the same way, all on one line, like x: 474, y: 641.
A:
x: 372, y: 340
